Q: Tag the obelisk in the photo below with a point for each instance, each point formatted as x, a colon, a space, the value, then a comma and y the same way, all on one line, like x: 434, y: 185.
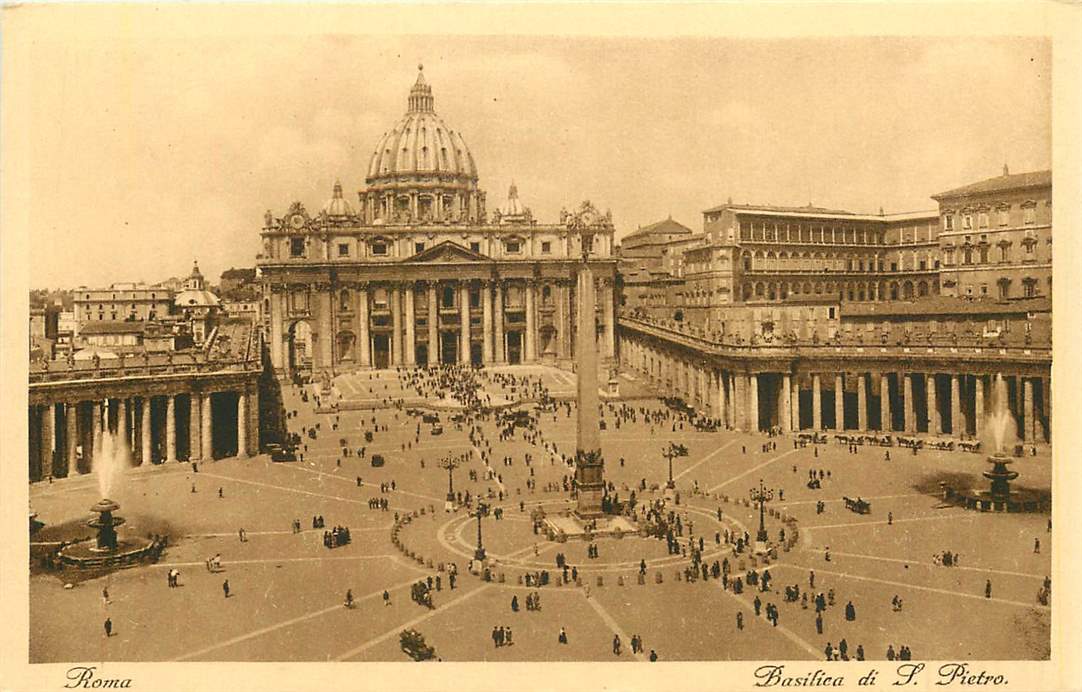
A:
x: 589, y: 466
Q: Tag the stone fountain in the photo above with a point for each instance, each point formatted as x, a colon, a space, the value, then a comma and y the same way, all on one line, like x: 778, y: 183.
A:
x: 108, y: 549
x: 1000, y: 426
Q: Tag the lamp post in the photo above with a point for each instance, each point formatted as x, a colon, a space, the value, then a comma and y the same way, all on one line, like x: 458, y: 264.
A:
x: 450, y: 463
x: 479, y: 554
x: 673, y: 450
x: 761, y: 495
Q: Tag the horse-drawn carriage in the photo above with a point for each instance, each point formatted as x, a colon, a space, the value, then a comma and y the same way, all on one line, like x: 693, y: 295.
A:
x: 858, y: 505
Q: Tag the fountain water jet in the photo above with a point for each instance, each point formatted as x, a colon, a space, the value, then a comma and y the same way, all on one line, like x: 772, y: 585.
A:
x: 1000, y: 433
x: 109, y: 462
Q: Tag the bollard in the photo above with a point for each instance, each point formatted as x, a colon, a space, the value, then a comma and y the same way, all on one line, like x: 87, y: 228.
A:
x: 440, y: 568
x: 503, y: 577
x: 678, y: 577
x: 520, y: 580
x: 428, y: 563
x: 642, y: 580
x: 600, y: 580
x: 658, y: 578
x: 620, y: 580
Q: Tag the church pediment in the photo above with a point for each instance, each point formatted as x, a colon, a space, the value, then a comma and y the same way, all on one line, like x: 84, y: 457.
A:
x: 447, y: 251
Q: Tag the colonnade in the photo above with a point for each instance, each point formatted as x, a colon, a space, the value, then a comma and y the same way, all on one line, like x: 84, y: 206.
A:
x: 66, y: 437
x: 428, y: 322
x: 745, y: 395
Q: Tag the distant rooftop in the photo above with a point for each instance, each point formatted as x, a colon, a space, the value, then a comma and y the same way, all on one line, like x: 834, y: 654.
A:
x: 1008, y: 181
x: 665, y: 227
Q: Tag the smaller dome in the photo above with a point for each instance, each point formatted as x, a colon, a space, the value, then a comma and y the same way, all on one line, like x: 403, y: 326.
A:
x: 195, y: 298
x: 337, y: 204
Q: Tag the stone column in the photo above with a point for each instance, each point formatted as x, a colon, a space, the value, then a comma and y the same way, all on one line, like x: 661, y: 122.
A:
x: 935, y: 425
x: 609, y: 317
x: 740, y: 409
x: 95, y: 441
x: 253, y: 422
x: 910, y: 412
x: 531, y: 324
x: 862, y: 403
x: 464, y: 332
x: 839, y: 402
x: 326, y: 328
x: 144, y: 431
x: 195, y: 423
x: 71, y: 415
x: 170, y: 428
x: 500, y: 347
x: 207, y: 435
x: 978, y: 404
x: 486, y: 323
x: 396, y: 327
x: 795, y: 401
x: 433, y: 325
x: 277, y: 338
x: 785, y: 403
x: 885, y: 423
x: 817, y: 402
x: 958, y: 425
x: 48, y: 426
x: 717, y: 384
x: 411, y: 322
x: 753, y: 402
x: 1046, y: 407
x: 732, y: 420
x: 1027, y: 409
x: 122, y: 421
x: 364, y: 333
x: 242, y: 423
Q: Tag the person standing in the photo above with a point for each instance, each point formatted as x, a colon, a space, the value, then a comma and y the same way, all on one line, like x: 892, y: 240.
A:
x: 653, y: 656
x: 616, y: 645
x: 988, y: 588
x: 819, y: 623
x: 225, y: 588
x: 739, y: 620
x: 563, y: 636
x: 108, y: 627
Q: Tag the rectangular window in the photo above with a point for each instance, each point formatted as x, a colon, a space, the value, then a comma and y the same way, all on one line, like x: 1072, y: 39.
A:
x: 948, y: 222
x: 343, y: 249
x: 1029, y: 248
x: 546, y: 248
x: 1004, y: 217
x: 379, y: 249
x: 475, y: 246
x: 967, y: 222
x: 983, y: 219
x: 418, y: 248
x: 1029, y: 216
x: 513, y: 247
x: 984, y: 290
x: 296, y: 247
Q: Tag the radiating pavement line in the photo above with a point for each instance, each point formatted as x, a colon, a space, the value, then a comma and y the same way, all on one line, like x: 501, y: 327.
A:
x: 956, y: 515
x: 285, y: 488
x: 351, y: 481
x: 904, y: 585
x: 260, y: 561
x: 751, y: 470
x: 286, y: 623
x: 842, y: 499
x: 924, y: 564
x: 406, y: 625
x: 788, y: 633
x: 613, y: 625
x: 708, y: 457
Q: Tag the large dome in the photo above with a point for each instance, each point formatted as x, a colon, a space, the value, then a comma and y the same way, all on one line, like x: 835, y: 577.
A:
x: 421, y: 143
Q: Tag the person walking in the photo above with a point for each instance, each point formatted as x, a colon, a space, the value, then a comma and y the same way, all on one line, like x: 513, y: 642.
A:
x: 739, y: 620
x: 653, y: 656
x: 616, y: 645
x: 349, y: 598
x: 819, y: 623
x: 988, y: 588
x: 108, y: 627
x: 225, y: 588
x: 563, y: 636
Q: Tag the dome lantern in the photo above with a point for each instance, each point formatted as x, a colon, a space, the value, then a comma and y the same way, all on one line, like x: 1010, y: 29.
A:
x: 421, y: 100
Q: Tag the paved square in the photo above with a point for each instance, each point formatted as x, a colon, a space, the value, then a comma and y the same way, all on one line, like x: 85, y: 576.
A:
x: 287, y: 589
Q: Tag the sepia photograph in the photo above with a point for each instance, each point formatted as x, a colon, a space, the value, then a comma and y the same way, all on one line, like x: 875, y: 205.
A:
x: 373, y: 342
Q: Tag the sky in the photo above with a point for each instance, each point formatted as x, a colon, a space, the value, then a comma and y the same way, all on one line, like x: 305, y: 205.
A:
x: 148, y: 154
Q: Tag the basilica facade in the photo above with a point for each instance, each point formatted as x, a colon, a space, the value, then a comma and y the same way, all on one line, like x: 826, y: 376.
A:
x: 420, y: 272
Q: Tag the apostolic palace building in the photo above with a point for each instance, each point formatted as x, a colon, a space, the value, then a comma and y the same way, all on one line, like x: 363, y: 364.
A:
x: 422, y: 271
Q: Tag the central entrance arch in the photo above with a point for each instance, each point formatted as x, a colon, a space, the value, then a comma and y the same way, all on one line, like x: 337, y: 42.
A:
x: 299, y: 342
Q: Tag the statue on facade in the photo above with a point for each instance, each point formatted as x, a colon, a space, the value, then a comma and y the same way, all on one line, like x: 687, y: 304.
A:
x: 97, y: 361
x: 268, y: 219
x: 497, y: 216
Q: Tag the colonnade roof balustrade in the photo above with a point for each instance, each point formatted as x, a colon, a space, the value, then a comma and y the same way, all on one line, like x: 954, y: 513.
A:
x: 940, y: 348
